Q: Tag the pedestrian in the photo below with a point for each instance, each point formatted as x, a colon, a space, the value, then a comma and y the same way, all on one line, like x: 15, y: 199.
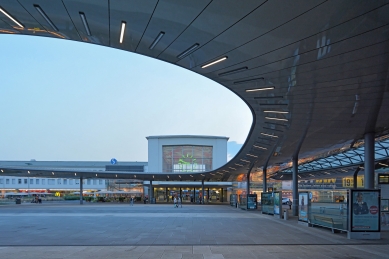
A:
x: 175, y: 202
x: 132, y: 201
x: 179, y: 202
x: 290, y: 204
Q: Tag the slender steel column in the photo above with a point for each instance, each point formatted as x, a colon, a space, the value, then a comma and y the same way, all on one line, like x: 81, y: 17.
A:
x: 355, y: 177
x: 81, y: 190
x: 295, y: 191
x: 369, y: 161
x: 150, y: 191
x: 208, y: 195
x: 248, y: 183
x: 194, y: 195
x: 167, y: 194
x: 181, y: 194
x: 202, y: 191
x: 264, y: 189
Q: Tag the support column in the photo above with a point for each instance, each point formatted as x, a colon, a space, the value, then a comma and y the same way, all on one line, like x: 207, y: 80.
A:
x: 221, y: 195
x: 167, y: 194
x: 202, y: 191
x: 181, y: 194
x: 295, y: 191
x: 208, y: 196
x: 248, y: 183
x: 150, y: 191
x: 194, y: 195
x: 81, y: 190
x: 355, y: 177
x: 369, y: 161
x: 264, y: 179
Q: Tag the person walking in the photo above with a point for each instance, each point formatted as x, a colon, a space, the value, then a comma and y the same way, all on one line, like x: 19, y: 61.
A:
x: 132, y: 201
x: 175, y: 202
x: 179, y: 202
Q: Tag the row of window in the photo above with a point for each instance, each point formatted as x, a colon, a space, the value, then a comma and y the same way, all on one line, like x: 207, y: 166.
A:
x: 51, y: 181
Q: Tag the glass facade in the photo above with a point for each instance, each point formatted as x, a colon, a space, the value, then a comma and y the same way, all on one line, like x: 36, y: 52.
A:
x: 186, y: 158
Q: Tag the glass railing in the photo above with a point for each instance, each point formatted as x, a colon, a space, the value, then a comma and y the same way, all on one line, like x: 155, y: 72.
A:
x: 329, y: 214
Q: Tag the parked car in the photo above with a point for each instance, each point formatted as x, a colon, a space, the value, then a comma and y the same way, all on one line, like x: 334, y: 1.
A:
x: 285, y: 201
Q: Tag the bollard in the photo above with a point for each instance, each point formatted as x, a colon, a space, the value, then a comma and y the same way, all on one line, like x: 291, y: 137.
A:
x: 285, y: 214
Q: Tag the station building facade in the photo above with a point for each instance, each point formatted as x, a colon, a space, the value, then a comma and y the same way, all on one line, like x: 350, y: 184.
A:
x: 173, y: 154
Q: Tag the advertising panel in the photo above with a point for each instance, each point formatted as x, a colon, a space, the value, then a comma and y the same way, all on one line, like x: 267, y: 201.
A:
x: 276, y: 203
x: 303, y: 206
x: 365, y: 214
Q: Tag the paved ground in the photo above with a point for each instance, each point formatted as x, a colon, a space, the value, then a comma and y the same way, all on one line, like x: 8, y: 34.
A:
x: 161, y: 231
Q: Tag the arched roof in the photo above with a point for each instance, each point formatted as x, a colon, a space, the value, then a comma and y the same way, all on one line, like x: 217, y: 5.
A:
x: 314, y: 73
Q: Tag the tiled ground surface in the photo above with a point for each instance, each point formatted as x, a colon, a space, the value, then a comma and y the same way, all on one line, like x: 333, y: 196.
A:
x: 161, y: 231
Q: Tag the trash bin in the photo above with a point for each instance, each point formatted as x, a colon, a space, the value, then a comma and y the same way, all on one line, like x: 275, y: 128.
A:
x: 18, y: 201
x: 285, y: 214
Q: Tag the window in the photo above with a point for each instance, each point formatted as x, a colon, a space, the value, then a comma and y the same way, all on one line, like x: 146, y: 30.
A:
x: 65, y: 181
x: 100, y: 182
x: 31, y: 181
x: 19, y: 181
x: 88, y: 182
x: 1, y: 181
x: 70, y: 181
x: 6, y: 181
x: 51, y: 181
x: 43, y: 181
x: 37, y: 181
x: 25, y: 181
x: 94, y: 182
x: 58, y: 181
x: 77, y: 181
x: 13, y: 181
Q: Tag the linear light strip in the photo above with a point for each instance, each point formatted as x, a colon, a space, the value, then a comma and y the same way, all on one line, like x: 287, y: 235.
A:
x: 260, y: 89
x: 188, y: 51
x: 155, y: 42
x: 122, y: 31
x: 260, y: 147
x: 215, y: 62
x: 248, y: 80
x: 383, y: 164
x: 234, y: 71
x: 10, y: 17
x: 85, y: 22
x: 273, y: 104
x: 44, y: 15
x: 273, y: 136
x: 276, y: 112
x: 277, y: 119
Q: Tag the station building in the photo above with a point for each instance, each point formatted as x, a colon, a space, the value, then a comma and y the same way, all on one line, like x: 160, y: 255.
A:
x: 173, y: 154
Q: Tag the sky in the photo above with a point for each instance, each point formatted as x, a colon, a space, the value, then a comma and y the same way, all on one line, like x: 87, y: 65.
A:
x: 70, y: 101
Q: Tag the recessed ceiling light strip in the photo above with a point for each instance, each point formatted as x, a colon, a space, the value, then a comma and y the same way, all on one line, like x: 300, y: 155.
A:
x: 188, y: 51
x: 44, y: 15
x: 283, y: 112
x: 85, y: 22
x: 260, y: 147
x: 273, y: 136
x: 123, y: 28
x: 277, y: 119
x: 10, y: 17
x: 260, y: 89
x: 157, y: 39
x: 234, y: 71
x: 248, y: 80
x: 215, y: 62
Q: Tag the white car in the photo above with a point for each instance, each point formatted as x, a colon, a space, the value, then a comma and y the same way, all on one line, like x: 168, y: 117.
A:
x: 285, y: 200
